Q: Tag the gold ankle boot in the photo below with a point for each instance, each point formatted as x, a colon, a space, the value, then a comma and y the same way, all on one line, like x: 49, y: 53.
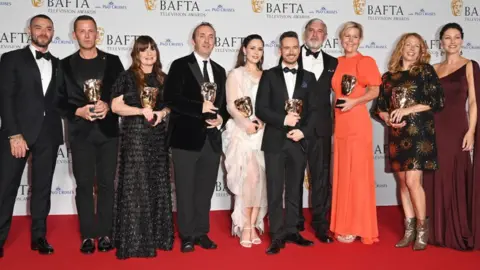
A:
x: 410, y: 233
x: 422, y: 235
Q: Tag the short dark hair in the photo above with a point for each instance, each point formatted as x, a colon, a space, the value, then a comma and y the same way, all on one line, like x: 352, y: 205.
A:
x: 200, y: 25
x: 83, y: 18
x: 40, y: 16
x: 288, y: 34
x: 451, y: 26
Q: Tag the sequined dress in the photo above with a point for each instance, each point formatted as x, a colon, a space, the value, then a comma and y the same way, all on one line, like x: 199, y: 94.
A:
x: 412, y: 147
x: 143, y: 219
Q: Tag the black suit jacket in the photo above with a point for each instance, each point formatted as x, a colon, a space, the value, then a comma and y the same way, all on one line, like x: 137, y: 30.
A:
x: 23, y: 103
x: 270, y: 106
x: 72, y: 97
x: 323, y: 125
x: 187, y: 127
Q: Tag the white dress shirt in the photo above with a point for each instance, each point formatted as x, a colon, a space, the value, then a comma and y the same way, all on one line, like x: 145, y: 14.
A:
x: 311, y: 64
x: 209, y: 66
x: 45, y: 68
x: 290, y: 80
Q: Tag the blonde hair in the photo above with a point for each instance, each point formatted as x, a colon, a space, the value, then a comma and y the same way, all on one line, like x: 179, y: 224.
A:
x: 396, y: 63
x: 349, y: 25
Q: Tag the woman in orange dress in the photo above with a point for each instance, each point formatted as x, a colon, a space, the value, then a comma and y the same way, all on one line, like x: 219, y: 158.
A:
x: 355, y: 82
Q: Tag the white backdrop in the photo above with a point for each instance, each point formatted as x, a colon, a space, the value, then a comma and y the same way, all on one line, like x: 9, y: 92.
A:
x: 171, y: 23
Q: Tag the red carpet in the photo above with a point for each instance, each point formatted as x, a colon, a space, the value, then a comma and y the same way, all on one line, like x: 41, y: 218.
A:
x: 63, y: 236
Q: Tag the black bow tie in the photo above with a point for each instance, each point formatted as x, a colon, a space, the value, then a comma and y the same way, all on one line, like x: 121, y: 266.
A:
x: 46, y: 55
x: 315, y: 54
x: 292, y: 70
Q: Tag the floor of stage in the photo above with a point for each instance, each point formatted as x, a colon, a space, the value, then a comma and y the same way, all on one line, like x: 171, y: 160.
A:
x: 63, y: 235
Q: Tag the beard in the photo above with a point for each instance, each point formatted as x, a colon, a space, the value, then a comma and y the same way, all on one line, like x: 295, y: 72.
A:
x: 41, y: 43
x: 314, y: 45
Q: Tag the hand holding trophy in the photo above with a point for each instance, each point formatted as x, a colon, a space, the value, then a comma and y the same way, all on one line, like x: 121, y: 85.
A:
x: 148, y: 99
x: 209, y: 93
x: 245, y: 107
x: 294, y: 106
x: 348, y: 84
x: 92, y: 90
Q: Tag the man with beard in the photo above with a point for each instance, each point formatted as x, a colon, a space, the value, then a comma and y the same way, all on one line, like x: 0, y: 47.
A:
x: 93, y: 132
x: 286, y: 139
x: 29, y: 125
x: 323, y: 66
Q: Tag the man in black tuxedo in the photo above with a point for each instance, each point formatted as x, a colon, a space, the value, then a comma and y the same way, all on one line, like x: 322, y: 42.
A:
x: 313, y: 59
x: 29, y: 125
x: 93, y: 133
x: 286, y: 139
x: 195, y: 136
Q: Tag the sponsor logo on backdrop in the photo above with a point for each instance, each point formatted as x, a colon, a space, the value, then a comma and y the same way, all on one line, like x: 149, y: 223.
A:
x: 379, y: 12
x: 468, y: 10
x: 76, y: 6
x: 221, y: 189
x: 5, y: 4
x: 272, y: 44
x: 13, y: 40
x: 282, y: 10
x: 169, y: 43
x: 470, y: 46
x: 380, y: 151
x: 422, y: 12
x: 115, y: 42
x: 324, y: 11
x: 220, y: 8
x: 332, y: 46
x: 58, y: 40
x: 434, y: 47
x: 372, y: 45
x: 179, y: 8
x: 228, y: 44
x: 100, y: 35
x: 24, y: 193
x: 380, y: 185
x: 59, y: 191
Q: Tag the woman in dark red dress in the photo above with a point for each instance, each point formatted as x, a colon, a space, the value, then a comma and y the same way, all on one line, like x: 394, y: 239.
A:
x: 453, y: 191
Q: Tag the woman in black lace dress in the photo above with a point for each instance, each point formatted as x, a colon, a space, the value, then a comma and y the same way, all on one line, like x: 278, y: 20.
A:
x: 143, y: 205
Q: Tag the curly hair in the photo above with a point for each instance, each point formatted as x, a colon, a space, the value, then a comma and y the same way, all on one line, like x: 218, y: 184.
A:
x: 396, y: 61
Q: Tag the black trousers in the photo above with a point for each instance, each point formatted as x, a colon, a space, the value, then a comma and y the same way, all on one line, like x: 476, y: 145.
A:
x: 44, y: 156
x: 195, y: 178
x: 319, y: 155
x: 95, y: 158
x: 284, y: 169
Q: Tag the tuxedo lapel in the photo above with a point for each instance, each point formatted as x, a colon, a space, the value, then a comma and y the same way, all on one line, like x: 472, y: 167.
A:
x: 53, y: 80
x: 193, y: 65
x: 326, y: 61
x: 298, y: 83
x: 32, y: 65
x: 281, y: 81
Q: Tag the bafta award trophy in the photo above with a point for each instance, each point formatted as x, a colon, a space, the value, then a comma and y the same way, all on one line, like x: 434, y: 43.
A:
x: 399, y: 98
x: 295, y: 106
x: 148, y: 98
x: 92, y: 90
x: 209, y: 92
x: 244, y: 105
x: 348, y: 83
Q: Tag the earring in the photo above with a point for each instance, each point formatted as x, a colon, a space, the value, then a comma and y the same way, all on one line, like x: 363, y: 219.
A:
x: 244, y: 58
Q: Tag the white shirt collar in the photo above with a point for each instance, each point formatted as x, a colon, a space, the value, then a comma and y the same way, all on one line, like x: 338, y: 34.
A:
x: 296, y: 65
x: 33, y: 50
x: 199, y: 58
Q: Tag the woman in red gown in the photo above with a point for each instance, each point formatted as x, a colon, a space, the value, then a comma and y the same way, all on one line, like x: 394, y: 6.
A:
x: 453, y: 191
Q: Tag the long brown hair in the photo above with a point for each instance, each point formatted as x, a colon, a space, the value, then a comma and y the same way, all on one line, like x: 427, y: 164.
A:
x: 241, y: 55
x: 141, y: 44
x: 396, y: 62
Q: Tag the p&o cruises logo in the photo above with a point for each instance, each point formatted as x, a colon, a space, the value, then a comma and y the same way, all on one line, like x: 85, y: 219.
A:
x: 379, y: 12
x: 176, y: 8
x: 283, y: 10
x: 469, y: 11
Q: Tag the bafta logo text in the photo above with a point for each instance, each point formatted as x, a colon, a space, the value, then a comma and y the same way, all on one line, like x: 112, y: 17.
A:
x: 257, y: 5
x: 456, y: 7
x: 100, y: 35
x: 359, y: 6
x: 37, y: 3
x: 151, y: 4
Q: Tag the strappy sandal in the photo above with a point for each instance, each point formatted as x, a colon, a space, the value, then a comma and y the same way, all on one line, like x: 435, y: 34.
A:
x: 256, y: 240
x: 346, y: 239
x: 245, y: 243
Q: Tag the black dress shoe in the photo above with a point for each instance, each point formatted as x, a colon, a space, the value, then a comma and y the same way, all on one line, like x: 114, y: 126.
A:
x: 42, y: 246
x: 296, y: 238
x: 300, y: 227
x: 275, y: 247
x: 1, y: 252
x: 104, y: 244
x: 187, y: 245
x: 324, y: 238
x: 88, y: 246
x: 205, y: 242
